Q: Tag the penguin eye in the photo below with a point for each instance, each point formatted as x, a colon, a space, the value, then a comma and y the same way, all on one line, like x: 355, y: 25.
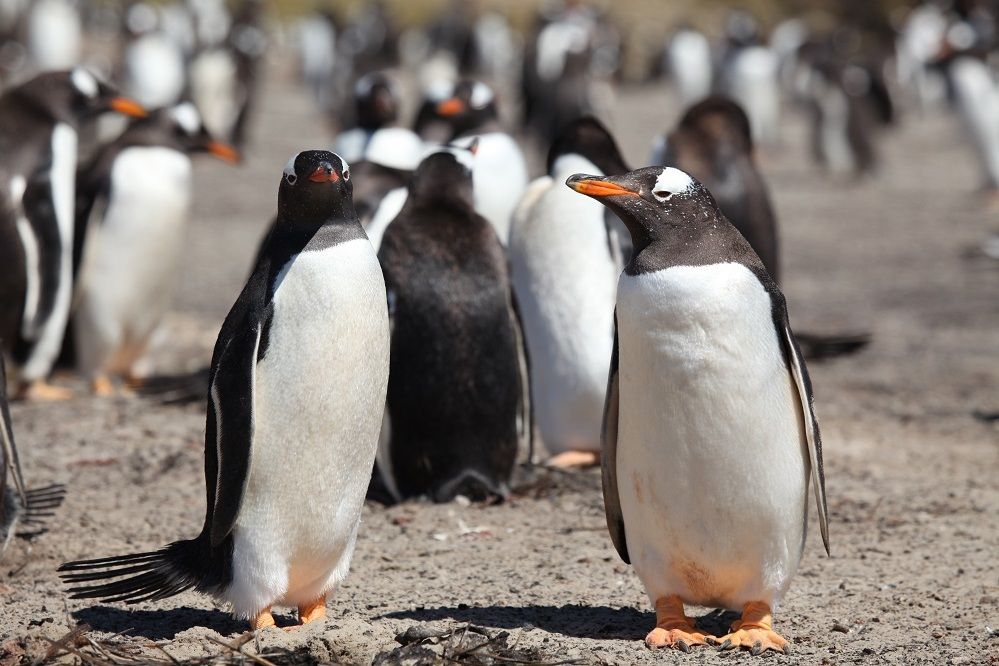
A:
x: 662, y: 195
x: 346, y: 174
x: 291, y: 178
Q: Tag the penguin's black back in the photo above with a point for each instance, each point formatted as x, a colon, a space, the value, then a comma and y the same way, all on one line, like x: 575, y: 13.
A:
x: 453, y: 391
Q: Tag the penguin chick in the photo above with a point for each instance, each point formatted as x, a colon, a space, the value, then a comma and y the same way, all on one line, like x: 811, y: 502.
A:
x: 710, y: 439
x: 296, y: 397
x: 458, y: 396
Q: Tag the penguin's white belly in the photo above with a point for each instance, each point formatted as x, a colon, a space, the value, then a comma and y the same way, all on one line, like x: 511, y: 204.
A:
x: 499, y: 178
x: 154, y: 71
x: 318, y: 404
x: 711, y: 458
x: 214, y: 91
x: 130, y: 268
x: 563, y: 275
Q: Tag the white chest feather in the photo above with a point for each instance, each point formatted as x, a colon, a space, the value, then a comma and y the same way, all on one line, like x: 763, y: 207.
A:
x: 499, y: 177
x: 711, y: 457
x: 130, y: 267
x: 318, y: 405
x: 564, y: 276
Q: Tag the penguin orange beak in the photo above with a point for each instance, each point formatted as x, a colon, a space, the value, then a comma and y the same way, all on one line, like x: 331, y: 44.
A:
x: 128, y: 107
x: 321, y: 175
x: 451, y: 107
x: 594, y: 187
x: 223, y: 151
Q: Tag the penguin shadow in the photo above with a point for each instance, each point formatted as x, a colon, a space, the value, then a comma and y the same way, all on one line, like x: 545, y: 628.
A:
x: 596, y: 622
x: 160, y: 624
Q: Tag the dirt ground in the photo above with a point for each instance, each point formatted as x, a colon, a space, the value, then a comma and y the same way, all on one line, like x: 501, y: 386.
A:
x: 911, y: 472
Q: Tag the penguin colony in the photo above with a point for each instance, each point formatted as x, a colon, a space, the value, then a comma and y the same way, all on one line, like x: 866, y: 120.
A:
x: 418, y: 308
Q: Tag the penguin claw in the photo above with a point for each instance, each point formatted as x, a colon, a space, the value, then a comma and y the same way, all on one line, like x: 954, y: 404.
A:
x: 723, y: 646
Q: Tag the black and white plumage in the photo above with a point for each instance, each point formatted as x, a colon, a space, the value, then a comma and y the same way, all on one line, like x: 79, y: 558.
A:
x: 710, y: 438
x: 133, y: 203
x: 19, y: 506
x: 458, y: 406
x: 39, y: 123
x: 296, y: 398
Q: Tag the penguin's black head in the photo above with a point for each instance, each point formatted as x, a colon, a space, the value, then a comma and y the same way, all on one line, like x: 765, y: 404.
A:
x: 721, y: 121
x: 589, y: 138
x: 445, y: 175
x: 77, y: 94
x: 649, y: 199
x: 470, y: 105
x: 376, y: 101
x: 182, y: 128
x: 316, y: 187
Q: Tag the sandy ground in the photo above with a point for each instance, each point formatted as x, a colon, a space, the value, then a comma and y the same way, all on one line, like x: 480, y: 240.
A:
x: 912, y: 475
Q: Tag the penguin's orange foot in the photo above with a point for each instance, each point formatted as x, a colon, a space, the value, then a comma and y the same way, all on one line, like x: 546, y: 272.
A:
x: 262, y: 620
x: 42, y: 390
x: 571, y: 459
x: 102, y: 386
x: 673, y: 628
x: 681, y: 639
x: 754, y: 632
x: 312, y: 612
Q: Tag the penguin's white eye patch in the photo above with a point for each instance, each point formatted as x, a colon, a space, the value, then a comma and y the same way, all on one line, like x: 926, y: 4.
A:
x: 187, y: 117
x: 481, y: 95
x: 671, y: 181
x: 346, y: 174
x: 84, y: 82
x: 291, y: 178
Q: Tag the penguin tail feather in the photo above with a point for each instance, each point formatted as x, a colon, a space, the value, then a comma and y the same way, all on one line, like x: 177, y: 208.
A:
x: 149, y: 576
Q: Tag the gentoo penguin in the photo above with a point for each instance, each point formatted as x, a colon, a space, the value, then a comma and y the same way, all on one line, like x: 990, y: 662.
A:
x: 133, y: 202
x: 38, y: 144
x: 500, y: 170
x: 840, y: 126
x: 751, y: 76
x: 689, y: 62
x: 457, y: 396
x: 18, y: 505
x: 54, y: 34
x: 564, y: 263
x: 297, y: 393
x: 713, y: 143
x: 154, y: 70
x: 710, y: 439
x: 376, y: 105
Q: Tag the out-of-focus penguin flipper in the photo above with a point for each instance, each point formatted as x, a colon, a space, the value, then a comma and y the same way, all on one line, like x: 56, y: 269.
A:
x: 612, y: 502
x: 525, y: 415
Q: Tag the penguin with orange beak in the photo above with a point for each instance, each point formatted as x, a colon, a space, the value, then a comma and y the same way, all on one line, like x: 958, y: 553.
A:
x: 39, y: 135
x: 710, y: 440
x: 133, y: 204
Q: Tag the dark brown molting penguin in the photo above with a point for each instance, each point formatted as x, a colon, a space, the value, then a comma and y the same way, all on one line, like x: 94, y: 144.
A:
x: 457, y: 396
x: 713, y: 143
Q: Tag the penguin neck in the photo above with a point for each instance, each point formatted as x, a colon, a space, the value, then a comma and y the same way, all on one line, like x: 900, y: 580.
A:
x: 660, y: 244
x: 304, y: 227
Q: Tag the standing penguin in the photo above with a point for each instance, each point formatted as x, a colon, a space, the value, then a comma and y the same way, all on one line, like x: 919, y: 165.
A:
x: 563, y: 260
x: 38, y: 154
x: 376, y: 105
x: 133, y: 203
x: 457, y: 397
x: 710, y: 439
x: 296, y: 397
x: 714, y: 144
x: 18, y: 506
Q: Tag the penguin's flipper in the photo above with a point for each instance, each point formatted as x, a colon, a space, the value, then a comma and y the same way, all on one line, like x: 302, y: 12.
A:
x: 229, y: 432
x: 525, y: 415
x: 803, y: 383
x: 612, y: 501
